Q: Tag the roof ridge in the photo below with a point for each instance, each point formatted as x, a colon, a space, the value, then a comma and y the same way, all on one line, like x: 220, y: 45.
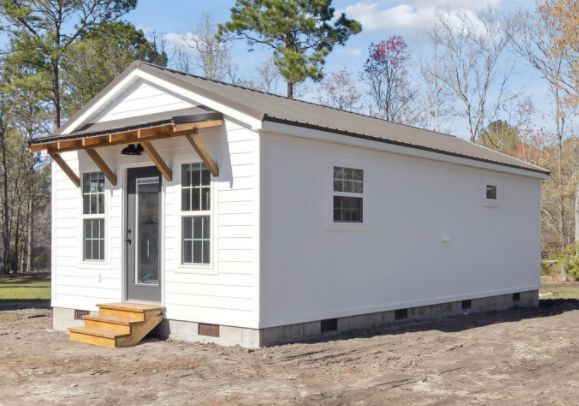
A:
x: 296, y: 100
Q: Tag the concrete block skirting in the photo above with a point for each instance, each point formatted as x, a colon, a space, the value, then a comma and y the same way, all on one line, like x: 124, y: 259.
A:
x: 253, y: 338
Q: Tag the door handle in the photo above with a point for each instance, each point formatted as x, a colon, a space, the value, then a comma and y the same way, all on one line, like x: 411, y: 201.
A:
x: 128, y: 240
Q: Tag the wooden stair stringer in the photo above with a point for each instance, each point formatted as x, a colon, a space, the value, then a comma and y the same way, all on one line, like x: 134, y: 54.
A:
x: 139, y: 331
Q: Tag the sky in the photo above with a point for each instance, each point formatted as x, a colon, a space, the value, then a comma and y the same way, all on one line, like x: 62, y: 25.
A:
x: 380, y: 19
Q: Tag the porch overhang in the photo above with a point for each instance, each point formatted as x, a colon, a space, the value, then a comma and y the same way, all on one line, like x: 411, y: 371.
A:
x: 131, y: 131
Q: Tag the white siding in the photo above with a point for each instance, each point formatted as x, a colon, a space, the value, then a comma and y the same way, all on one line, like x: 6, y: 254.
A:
x: 311, y: 270
x: 225, y: 292
x: 141, y: 99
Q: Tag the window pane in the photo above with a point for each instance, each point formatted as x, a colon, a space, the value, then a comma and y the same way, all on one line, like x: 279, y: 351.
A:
x: 206, y: 227
x: 358, y: 174
x: 196, y: 199
x: 101, y: 203
x: 187, y: 228
x: 93, y: 204
x: 338, y: 187
x: 197, y: 252
x: 185, y: 175
x: 102, y: 249
x: 206, y: 254
x: 195, y: 177
x: 197, y: 227
x: 205, y: 199
x: 95, y: 249
x: 338, y: 172
x: 186, y: 199
x: 205, y: 176
x: 491, y: 192
x: 348, y: 209
x: 187, y: 252
x: 85, y: 182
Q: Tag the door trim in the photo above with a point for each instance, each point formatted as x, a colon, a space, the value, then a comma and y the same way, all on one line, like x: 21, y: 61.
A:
x: 123, y: 188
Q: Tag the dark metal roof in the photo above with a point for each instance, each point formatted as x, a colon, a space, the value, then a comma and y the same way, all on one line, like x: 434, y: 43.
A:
x: 269, y: 107
x: 189, y: 115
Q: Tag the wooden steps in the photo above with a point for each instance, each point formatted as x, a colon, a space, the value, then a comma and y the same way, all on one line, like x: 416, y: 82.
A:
x: 118, y: 324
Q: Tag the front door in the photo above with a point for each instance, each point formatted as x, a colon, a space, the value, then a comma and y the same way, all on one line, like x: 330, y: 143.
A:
x: 143, y: 215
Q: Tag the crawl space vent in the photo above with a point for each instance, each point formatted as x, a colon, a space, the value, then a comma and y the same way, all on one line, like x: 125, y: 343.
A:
x: 516, y: 297
x: 211, y: 330
x: 401, y: 314
x: 329, y: 325
x: 79, y: 313
x: 466, y: 304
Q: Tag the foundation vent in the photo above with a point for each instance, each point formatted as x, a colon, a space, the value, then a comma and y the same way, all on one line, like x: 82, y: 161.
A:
x: 466, y: 304
x: 79, y: 313
x: 329, y: 325
x: 516, y: 297
x: 401, y: 314
x: 210, y: 330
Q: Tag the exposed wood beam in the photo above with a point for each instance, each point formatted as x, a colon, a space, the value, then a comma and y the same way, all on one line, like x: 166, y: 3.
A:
x: 65, y: 168
x: 199, y: 147
x: 102, y: 166
x: 125, y: 137
x: 157, y: 160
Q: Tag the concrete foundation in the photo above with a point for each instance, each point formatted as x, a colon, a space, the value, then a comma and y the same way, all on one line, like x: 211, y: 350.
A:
x: 254, y: 338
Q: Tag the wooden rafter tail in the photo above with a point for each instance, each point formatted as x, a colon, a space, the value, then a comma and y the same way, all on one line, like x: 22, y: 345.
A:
x: 157, y: 160
x: 203, y: 153
x: 65, y: 168
x: 102, y: 165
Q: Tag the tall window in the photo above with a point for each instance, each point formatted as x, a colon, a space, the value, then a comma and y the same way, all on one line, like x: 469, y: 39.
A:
x: 93, y: 209
x: 195, y: 214
x: 348, y: 195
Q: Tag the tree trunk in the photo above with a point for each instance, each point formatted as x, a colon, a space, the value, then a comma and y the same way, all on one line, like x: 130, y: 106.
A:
x: 56, y: 93
x: 5, y: 208
x: 290, y: 90
x: 30, y: 238
x: 16, y: 253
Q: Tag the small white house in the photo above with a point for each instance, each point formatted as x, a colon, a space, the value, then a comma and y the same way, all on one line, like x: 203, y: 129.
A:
x: 254, y: 219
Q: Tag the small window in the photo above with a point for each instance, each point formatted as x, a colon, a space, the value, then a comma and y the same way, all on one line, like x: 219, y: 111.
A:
x: 93, y: 210
x: 491, y: 192
x: 195, y: 214
x: 348, y: 187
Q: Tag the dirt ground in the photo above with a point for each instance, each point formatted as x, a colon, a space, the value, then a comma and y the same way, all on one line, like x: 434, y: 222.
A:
x: 517, y: 357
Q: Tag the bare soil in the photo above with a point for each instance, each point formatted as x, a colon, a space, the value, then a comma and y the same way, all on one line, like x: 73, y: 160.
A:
x: 516, y: 357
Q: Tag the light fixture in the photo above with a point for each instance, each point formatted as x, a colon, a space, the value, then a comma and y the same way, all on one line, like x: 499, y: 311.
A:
x: 132, y: 149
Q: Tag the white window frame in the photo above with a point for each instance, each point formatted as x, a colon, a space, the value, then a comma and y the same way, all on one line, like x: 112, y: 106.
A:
x: 94, y: 216
x: 346, y: 226
x: 204, y: 267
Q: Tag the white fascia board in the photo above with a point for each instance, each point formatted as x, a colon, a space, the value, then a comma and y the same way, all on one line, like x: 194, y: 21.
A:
x: 253, y: 122
x: 328, y: 136
x: 137, y: 74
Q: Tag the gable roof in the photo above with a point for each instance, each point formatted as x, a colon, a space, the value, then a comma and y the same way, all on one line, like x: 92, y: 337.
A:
x: 273, y: 108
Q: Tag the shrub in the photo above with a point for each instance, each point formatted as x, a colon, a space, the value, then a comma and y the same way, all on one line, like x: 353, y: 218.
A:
x: 567, y: 258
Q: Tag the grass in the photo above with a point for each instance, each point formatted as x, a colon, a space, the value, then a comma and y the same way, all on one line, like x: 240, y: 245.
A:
x: 21, y: 288
x: 560, y: 292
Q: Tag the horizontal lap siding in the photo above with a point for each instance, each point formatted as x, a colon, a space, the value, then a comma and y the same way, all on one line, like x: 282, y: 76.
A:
x: 78, y: 284
x: 225, y: 293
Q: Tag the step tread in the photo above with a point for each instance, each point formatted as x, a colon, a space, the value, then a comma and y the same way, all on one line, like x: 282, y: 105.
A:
x: 131, y: 307
x: 98, y: 332
x: 112, y: 319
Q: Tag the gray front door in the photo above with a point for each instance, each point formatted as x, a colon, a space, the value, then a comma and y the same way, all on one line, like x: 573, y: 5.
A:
x: 143, y: 218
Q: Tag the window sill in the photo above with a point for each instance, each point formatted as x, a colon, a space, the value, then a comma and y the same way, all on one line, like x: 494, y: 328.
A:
x: 492, y: 204
x: 347, y: 227
x: 196, y: 269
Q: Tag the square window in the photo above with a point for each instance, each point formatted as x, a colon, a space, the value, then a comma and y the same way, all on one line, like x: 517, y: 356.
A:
x: 491, y: 192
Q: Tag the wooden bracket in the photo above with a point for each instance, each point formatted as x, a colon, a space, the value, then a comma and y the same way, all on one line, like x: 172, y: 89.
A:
x: 65, y: 168
x: 157, y: 160
x: 102, y: 166
x: 203, y: 153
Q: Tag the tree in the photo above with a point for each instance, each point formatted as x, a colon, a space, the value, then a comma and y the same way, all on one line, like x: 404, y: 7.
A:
x: 339, y: 91
x: 501, y: 136
x: 386, y: 73
x: 301, y: 33
x: 470, y: 53
x: 535, y: 37
x: 101, y: 54
x: 436, y: 98
x: 43, y: 30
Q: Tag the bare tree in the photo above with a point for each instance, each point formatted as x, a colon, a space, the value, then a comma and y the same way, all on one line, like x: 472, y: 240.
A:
x: 211, y: 56
x: 470, y: 53
x: 535, y: 39
x: 436, y: 96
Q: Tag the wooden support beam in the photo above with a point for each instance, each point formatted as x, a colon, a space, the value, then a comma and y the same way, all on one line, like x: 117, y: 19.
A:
x: 203, y: 153
x: 102, y: 166
x: 157, y: 160
x: 65, y: 168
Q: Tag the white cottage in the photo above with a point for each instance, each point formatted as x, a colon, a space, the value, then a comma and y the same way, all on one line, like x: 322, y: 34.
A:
x: 241, y: 217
